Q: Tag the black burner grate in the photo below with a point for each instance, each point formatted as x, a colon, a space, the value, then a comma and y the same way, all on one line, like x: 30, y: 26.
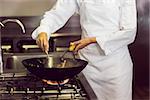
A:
x: 29, y: 87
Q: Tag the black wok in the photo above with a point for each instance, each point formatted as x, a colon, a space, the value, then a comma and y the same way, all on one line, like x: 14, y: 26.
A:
x: 54, y: 68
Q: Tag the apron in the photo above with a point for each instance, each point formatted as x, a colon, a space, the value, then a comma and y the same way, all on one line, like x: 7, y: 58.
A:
x: 109, y: 71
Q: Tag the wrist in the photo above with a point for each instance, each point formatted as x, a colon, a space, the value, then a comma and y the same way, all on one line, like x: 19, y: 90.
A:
x: 92, y: 40
x: 43, y: 33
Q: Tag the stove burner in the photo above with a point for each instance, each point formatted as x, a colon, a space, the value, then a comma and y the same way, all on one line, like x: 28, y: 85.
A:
x: 29, y: 87
x: 56, y: 82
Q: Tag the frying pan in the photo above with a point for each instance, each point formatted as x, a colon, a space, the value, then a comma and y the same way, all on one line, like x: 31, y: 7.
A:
x: 54, y: 68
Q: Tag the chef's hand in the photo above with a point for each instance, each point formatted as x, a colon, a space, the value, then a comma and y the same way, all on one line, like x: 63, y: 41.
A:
x: 83, y: 43
x: 42, y: 42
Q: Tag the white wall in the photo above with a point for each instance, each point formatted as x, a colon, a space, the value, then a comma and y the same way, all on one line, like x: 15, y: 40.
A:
x: 25, y: 7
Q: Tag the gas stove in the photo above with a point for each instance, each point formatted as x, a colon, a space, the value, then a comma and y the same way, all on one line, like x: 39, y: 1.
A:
x: 22, y: 86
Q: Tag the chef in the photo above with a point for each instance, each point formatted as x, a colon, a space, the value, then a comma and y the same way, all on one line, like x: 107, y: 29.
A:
x: 108, y: 27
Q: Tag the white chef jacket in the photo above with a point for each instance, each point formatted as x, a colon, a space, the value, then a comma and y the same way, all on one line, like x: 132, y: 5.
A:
x: 113, y: 23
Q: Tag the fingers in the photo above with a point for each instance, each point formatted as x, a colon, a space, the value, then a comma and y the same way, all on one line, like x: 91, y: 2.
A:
x: 76, y: 44
x: 82, y: 43
x: 42, y: 42
x: 78, y: 47
x: 72, y: 46
x: 46, y: 46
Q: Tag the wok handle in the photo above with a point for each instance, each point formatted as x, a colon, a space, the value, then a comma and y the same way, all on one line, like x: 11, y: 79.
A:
x: 71, y: 48
x: 73, y: 54
x: 62, y: 56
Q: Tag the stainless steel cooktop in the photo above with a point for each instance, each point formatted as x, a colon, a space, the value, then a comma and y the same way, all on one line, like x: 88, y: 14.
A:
x: 22, y: 86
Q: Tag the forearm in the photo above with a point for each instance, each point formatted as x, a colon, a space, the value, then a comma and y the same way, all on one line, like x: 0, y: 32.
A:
x: 92, y: 39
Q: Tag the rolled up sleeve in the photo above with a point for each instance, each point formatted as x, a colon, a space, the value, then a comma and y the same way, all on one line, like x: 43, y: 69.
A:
x: 126, y: 35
